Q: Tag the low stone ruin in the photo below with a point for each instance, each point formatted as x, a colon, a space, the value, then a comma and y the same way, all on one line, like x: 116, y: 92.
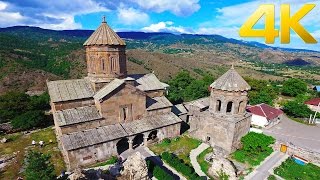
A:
x: 220, y: 164
x: 135, y: 167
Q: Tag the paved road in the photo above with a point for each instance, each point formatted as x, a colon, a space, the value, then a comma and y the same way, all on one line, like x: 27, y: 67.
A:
x: 262, y: 172
x: 299, y: 134
x: 193, y: 157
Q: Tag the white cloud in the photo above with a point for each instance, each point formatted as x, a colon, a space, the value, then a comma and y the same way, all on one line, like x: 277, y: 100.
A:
x: 230, y: 32
x: 58, y: 14
x: 177, y: 7
x: 131, y: 16
x: 166, y: 27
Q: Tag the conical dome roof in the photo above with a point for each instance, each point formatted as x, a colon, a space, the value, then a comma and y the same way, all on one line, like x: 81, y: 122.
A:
x: 104, y: 35
x: 231, y: 81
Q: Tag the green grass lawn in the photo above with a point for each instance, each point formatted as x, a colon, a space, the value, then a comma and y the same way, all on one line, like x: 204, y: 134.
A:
x: 110, y: 161
x: 20, y: 144
x: 291, y: 170
x: 255, y: 148
x: 203, y: 163
x: 181, y: 146
x: 250, y: 158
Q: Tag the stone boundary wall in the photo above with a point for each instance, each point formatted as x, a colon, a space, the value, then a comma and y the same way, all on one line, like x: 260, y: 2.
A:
x: 311, y: 156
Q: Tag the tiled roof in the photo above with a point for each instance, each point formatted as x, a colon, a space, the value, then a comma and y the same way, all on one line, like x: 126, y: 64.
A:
x: 158, y: 103
x: 200, y: 103
x: 103, y: 134
x: 65, y: 90
x: 104, y: 35
x: 231, y: 81
x: 76, y: 115
x: 150, y: 122
x: 314, y: 102
x: 147, y: 82
x: 92, y: 136
x: 179, y: 109
x: 107, y: 89
x: 265, y: 110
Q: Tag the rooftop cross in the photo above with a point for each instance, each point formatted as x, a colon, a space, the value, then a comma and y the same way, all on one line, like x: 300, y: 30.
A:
x: 103, y: 19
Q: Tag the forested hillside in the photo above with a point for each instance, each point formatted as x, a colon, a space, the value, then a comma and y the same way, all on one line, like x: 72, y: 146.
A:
x: 29, y: 56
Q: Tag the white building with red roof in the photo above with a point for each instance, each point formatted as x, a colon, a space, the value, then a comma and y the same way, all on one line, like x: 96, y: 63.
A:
x: 313, y: 104
x: 264, y: 115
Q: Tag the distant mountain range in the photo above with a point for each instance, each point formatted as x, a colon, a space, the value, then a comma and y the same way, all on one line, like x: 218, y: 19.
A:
x: 26, y: 30
x: 30, y: 55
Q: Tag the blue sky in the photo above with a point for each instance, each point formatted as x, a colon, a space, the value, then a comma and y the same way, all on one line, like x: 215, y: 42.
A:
x: 223, y: 17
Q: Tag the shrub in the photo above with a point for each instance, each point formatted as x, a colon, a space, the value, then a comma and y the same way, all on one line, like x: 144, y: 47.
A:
x: 157, y: 172
x: 29, y: 120
x: 179, y: 165
x: 297, y: 109
x: 38, y: 166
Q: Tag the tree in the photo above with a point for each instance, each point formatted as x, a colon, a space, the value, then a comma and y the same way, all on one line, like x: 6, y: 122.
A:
x: 262, y: 91
x: 177, y: 86
x: 293, y: 87
x: 29, y: 120
x: 12, y: 104
x: 254, y: 143
x: 38, y: 166
x: 297, y: 109
x: 197, y: 89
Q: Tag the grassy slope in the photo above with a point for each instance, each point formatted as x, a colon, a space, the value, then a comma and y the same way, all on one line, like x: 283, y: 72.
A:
x: 20, y: 144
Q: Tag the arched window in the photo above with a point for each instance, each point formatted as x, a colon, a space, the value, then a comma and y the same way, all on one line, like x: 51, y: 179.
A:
x: 229, y: 107
x: 218, y: 106
x: 103, y: 66
x: 240, y: 108
x: 112, y: 64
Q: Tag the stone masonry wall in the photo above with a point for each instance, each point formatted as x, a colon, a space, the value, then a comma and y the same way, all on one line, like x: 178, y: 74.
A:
x: 129, y: 96
x: 311, y: 156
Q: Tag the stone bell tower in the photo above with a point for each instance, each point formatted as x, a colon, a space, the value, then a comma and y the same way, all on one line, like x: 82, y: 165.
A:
x: 105, y: 56
x: 225, y: 121
x: 229, y: 95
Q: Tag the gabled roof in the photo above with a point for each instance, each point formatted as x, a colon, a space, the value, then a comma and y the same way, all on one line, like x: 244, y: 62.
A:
x: 104, y: 35
x: 179, y: 109
x: 158, y: 103
x: 147, y: 82
x: 265, y: 110
x: 76, y: 115
x: 66, y: 90
x: 231, y: 81
x: 107, y: 89
x: 314, y: 101
x: 201, y: 103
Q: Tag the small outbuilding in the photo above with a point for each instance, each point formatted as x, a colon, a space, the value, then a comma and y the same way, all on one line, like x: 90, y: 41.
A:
x: 264, y: 115
x: 313, y: 104
x: 317, y: 88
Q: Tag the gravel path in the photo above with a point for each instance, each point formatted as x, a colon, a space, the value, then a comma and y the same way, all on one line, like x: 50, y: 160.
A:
x: 193, y: 157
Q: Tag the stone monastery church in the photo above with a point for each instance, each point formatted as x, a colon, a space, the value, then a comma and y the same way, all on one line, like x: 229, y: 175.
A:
x: 109, y: 111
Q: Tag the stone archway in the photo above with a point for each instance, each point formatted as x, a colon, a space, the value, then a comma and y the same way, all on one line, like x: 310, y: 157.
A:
x: 153, y: 135
x: 137, y: 141
x: 122, y: 145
